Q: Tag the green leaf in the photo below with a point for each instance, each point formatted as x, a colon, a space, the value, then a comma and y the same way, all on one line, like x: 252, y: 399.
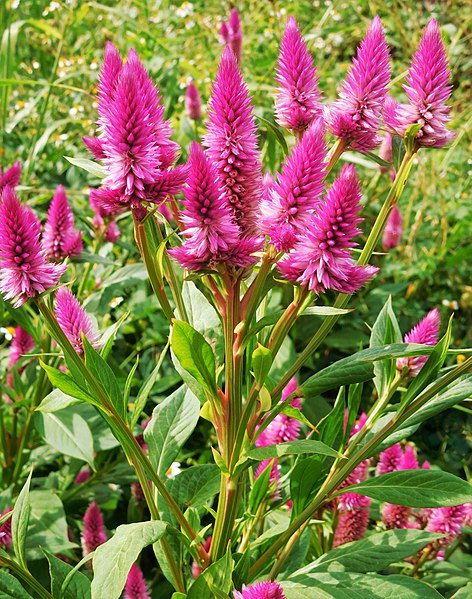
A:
x: 10, y: 587
x: 385, y: 330
x: 261, y: 364
x: 66, y: 384
x: 410, y: 137
x: 112, y: 560
x: 259, y: 489
x: 297, y: 414
x: 129, y: 380
x: 56, y: 400
x: 20, y: 521
x: 291, y: 448
x: 398, y: 151
x: 305, y: 480
x: 194, y: 354
x: 376, y: 159
x: 273, y: 128
x: 146, y: 388
x: 215, y: 582
x: 79, y: 586
x: 88, y: 165
x: 415, y: 488
x: 172, y: 422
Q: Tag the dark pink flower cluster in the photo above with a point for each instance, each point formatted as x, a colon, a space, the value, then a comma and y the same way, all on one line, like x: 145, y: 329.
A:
x: 231, y: 34
x: 136, y: 587
x: 74, y: 321
x: 260, y: 590
x: 93, y: 533
x: 10, y: 177
x: 426, y: 332
x: 60, y: 239
x: 193, y: 102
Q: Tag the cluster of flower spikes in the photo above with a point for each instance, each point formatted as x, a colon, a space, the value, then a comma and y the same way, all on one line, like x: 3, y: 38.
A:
x: 260, y: 590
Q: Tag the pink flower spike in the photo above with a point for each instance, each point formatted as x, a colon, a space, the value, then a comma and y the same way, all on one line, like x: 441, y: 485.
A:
x: 396, y: 516
x: 112, y: 233
x: 5, y: 530
x: 22, y: 344
x: 260, y: 590
x: 353, y: 522
x: 83, y: 476
x: 60, y: 239
x: 24, y: 272
x: 93, y: 534
x: 355, y: 116
x: 425, y: 332
x: 136, y: 587
x: 232, y: 145
x: 393, y: 229
x: 427, y: 87
x: 10, y: 177
x: 297, y: 103
x: 408, y: 461
x: 74, y: 321
x: 389, y: 459
x: 231, y: 34
x: 193, y: 102
x: 321, y: 260
x: 293, y: 198
x: 449, y: 521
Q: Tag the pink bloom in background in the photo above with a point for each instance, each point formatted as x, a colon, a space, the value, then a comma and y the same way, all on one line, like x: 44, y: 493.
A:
x: 449, y: 521
x: 10, y: 177
x: 74, y: 321
x: 386, y: 152
x: 293, y: 198
x: 134, y: 141
x: 260, y: 590
x: 231, y: 34
x: 136, y: 587
x: 322, y: 259
x: 427, y: 87
x: 389, y: 459
x: 196, y: 570
x: 408, y: 461
x: 22, y: 344
x: 267, y: 184
x: 297, y: 103
x: 5, y: 530
x: 426, y: 332
x: 103, y: 217
x: 93, y: 534
x: 393, y: 231
x: 60, y: 239
x: 357, y: 425
x: 83, y: 476
x: 112, y: 232
x: 356, y: 115
x: 353, y: 522
x: 232, y: 147
x: 193, y: 102
x: 24, y: 272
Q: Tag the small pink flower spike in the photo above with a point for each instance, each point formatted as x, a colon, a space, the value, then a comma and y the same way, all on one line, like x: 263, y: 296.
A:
x: 389, y: 459
x: 260, y: 590
x: 396, y: 516
x: 291, y: 201
x: 193, y: 102
x: 74, y: 321
x: 22, y: 344
x: 427, y: 87
x: 231, y: 34
x: 322, y: 259
x: 353, y: 523
x: 136, y: 587
x: 356, y: 115
x: 393, y: 231
x: 10, y: 177
x: 60, y: 239
x: 24, y: 272
x: 297, y: 103
x: 449, y: 521
x: 93, y: 534
x: 425, y: 332
x: 5, y: 530
x: 408, y: 461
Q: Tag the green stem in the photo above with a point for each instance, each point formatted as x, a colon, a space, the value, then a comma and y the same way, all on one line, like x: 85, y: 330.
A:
x: 334, y: 154
x: 25, y: 576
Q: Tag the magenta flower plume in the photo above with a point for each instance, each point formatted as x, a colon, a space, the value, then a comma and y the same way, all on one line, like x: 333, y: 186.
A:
x: 5, y: 530
x: 427, y: 87
x: 60, y: 239
x: 22, y: 344
x: 136, y: 587
x: 260, y: 590
x: 393, y: 229
x: 389, y: 459
x: 425, y: 332
x: 134, y: 141
x: 396, y: 516
x: 356, y: 115
x: 322, y: 259
x: 290, y: 202
x: 408, y: 461
x: 10, y: 177
x: 193, y: 102
x: 83, y: 476
x: 24, y: 272
x: 212, y: 237
x: 231, y: 34
x: 232, y: 146
x: 448, y: 521
x: 74, y: 321
x: 297, y: 103
x: 353, y: 522
x: 93, y: 534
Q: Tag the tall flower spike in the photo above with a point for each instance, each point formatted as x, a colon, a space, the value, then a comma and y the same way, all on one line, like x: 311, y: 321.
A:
x: 355, y: 116
x: 22, y: 344
x: 232, y: 145
x: 24, y: 272
x: 212, y: 237
x: 60, y: 239
x: 393, y: 229
x: 136, y: 587
x: 134, y: 141
x: 427, y: 87
x: 322, y: 259
x: 10, y: 177
x: 389, y: 459
x: 74, y: 321
x: 260, y: 590
x: 425, y: 332
x: 297, y: 103
x: 288, y: 205
x: 449, y: 521
x: 193, y: 102
x: 353, y: 523
x: 231, y: 34
x: 93, y: 534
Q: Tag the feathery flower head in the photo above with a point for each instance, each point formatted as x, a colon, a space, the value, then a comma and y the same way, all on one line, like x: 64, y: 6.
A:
x: 427, y: 87
x: 322, y: 259
x: 447, y: 520
x: 389, y: 459
x: 5, y: 530
x: 231, y: 34
x: 60, y: 239
x: 393, y: 229
x: 136, y: 587
x: 355, y: 116
x: 353, y: 523
x: 260, y: 590
x: 408, y: 461
x: 24, y: 272
x: 93, y: 534
x: 134, y: 141
x: 10, y: 177
x: 297, y: 103
x: 396, y: 516
x: 292, y: 199
x: 425, y: 332
x: 193, y: 102
x: 22, y: 343
x: 232, y: 145
x: 74, y: 321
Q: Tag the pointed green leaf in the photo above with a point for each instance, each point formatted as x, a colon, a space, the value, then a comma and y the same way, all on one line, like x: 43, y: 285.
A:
x: 20, y: 521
